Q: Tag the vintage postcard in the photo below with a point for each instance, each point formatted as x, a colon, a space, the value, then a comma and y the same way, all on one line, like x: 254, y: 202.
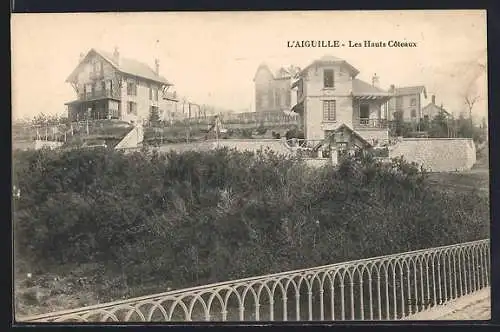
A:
x: 250, y: 166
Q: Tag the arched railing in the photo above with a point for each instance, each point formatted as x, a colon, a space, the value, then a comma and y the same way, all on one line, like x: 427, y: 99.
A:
x: 381, y: 288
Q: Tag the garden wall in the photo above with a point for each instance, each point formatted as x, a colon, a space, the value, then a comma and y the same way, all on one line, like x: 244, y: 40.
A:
x: 437, y: 154
x: 276, y: 145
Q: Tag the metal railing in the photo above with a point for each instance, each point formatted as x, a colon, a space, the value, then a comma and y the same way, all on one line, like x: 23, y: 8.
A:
x: 107, y: 93
x: 382, y: 288
x: 370, y: 123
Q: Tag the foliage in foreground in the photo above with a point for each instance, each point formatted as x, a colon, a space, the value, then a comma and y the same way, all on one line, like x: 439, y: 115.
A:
x: 201, y: 217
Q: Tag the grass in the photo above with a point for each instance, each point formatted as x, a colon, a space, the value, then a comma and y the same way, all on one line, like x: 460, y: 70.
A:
x: 477, y: 178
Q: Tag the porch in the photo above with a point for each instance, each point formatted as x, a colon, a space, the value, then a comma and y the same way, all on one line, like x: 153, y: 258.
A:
x: 100, y: 109
x: 370, y: 112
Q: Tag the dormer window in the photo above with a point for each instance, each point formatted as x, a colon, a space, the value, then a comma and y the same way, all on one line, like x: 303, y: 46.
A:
x: 328, y: 78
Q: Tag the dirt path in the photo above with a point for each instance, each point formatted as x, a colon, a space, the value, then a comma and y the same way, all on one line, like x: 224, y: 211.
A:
x: 475, y: 306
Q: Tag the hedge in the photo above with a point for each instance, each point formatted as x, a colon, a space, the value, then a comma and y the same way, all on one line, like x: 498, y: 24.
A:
x: 184, y: 219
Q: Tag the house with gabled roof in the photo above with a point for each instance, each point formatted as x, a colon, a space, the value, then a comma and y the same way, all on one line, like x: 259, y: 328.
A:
x: 329, y: 95
x: 431, y: 110
x: 407, y: 103
x: 109, y: 86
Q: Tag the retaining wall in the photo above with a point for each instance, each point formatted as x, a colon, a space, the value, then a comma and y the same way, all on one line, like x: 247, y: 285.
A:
x: 278, y: 146
x: 437, y: 154
x: 317, y: 162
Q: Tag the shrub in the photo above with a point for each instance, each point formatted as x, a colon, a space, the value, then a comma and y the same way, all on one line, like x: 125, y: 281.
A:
x: 197, y: 217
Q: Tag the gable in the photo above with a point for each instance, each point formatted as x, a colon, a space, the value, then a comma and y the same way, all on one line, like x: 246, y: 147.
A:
x: 263, y: 74
x: 126, y: 66
x: 411, y: 90
x: 85, y: 65
x: 331, y: 61
x: 345, y: 134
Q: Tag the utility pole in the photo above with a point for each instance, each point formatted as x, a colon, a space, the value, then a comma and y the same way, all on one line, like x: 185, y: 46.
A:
x: 189, y: 121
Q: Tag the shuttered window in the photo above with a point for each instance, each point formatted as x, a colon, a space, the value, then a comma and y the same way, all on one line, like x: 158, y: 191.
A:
x: 329, y: 110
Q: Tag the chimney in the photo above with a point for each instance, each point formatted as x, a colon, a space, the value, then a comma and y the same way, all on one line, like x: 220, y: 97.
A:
x: 116, y: 56
x: 392, y: 88
x: 433, y: 99
x: 82, y: 56
x: 157, y: 67
x: 375, y: 80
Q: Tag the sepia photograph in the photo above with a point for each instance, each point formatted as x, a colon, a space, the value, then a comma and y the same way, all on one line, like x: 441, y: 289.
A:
x: 250, y: 166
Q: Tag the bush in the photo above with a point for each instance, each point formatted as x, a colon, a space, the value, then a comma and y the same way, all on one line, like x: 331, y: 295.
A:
x: 193, y: 218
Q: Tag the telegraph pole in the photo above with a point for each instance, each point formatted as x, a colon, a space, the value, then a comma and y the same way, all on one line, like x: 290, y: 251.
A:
x: 189, y: 120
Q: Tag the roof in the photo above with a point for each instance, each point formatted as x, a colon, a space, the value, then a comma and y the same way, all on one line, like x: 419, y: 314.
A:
x: 361, y: 88
x: 329, y: 59
x: 438, y: 108
x: 410, y: 90
x: 127, y: 66
x: 353, y: 132
x: 276, y: 73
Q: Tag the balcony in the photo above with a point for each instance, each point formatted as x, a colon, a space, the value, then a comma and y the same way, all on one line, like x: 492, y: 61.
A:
x: 362, y: 123
x: 99, y: 94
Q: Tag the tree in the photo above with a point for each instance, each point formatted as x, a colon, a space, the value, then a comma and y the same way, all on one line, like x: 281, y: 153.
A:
x: 471, y: 94
x: 439, y: 126
x: 154, y: 116
x: 470, y: 100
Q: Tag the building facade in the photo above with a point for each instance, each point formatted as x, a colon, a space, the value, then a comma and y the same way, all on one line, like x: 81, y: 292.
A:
x: 330, y: 96
x: 272, y: 89
x: 109, y: 86
x: 431, y: 110
x: 407, y: 103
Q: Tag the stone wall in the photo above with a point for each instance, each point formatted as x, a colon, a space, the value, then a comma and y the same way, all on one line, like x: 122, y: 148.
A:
x: 276, y: 145
x: 317, y: 162
x: 437, y: 154
x: 39, y: 144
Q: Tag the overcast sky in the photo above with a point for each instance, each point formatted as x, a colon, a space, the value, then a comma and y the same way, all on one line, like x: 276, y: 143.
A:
x: 212, y: 57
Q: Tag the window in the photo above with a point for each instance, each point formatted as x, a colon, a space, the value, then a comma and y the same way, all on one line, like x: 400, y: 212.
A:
x: 413, y: 102
x: 398, y: 115
x: 131, y: 89
x: 399, y: 102
x: 153, y: 93
x: 413, y: 113
x: 131, y: 108
x: 277, y: 97
x: 329, y: 108
x: 328, y: 78
x: 96, y: 68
